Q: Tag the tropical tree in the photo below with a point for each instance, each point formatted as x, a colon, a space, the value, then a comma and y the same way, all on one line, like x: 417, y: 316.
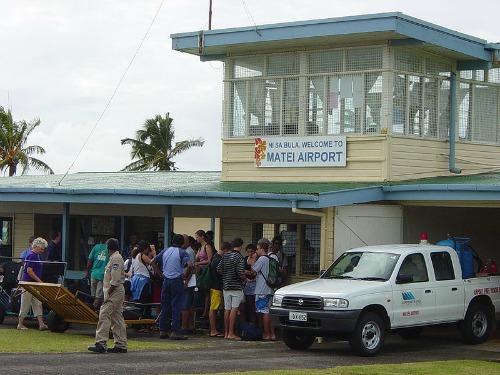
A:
x: 154, y: 147
x: 14, y: 150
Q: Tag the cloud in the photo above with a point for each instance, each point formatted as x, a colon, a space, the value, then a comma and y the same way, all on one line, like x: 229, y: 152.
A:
x: 62, y: 62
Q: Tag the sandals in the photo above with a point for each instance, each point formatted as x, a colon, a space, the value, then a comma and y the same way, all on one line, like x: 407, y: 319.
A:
x: 221, y: 335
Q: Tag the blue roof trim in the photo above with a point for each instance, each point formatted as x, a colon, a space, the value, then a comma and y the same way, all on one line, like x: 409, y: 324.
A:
x: 136, y: 196
x: 210, y: 44
x: 442, y: 37
x: 444, y: 192
x: 346, y: 197
x: 474, y: 65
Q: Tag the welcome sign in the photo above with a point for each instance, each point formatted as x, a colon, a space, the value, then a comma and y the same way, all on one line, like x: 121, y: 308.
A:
x: 326, y: 151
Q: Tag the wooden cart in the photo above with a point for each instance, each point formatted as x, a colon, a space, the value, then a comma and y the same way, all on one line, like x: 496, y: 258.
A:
x: 66, y: 308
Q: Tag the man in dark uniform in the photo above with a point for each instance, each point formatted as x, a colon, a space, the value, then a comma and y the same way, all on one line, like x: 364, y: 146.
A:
x: 111, y: 313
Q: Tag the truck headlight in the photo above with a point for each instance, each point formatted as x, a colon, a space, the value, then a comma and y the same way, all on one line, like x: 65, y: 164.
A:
x: 329, y: 303
x: 277, y: 299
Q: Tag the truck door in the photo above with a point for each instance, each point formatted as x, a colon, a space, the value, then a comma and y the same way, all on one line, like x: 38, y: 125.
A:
x: 450, y: 292
x: 414, y: 300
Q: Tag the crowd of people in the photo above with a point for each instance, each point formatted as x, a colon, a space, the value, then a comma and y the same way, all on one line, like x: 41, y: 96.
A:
x: 238, y: 291
x: 168, y: 281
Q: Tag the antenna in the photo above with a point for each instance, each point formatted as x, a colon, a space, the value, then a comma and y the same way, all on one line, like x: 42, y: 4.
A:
x: 210, y: 16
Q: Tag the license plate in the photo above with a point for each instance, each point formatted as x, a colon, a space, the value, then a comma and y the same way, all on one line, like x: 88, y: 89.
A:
x: 298, y: 316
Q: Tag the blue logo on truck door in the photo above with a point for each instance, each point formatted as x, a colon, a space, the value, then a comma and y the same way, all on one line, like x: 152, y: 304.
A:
x: 408, y: 296
x: 411, y: 298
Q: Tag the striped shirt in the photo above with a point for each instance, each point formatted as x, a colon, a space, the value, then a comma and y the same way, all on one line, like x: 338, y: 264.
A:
x: 232, y: 266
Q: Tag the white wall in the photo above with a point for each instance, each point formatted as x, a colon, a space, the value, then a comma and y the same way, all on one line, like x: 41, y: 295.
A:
x: 361, y: 225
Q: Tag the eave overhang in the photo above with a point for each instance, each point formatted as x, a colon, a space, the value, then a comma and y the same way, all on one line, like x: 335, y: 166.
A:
x: 396, y: 28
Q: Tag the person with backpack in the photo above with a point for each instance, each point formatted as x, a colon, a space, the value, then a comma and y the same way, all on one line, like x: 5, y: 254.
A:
x: 276, y: 248
x: 264, y: 292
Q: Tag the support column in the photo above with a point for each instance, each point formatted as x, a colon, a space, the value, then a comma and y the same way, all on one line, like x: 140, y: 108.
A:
x: 65, y: 233
x: 168, y: 227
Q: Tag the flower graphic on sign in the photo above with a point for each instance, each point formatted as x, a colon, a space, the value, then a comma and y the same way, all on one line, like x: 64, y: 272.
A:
x: 260, y: 148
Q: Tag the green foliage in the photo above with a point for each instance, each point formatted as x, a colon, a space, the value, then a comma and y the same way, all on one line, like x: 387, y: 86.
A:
x: 154, y: 147
x: 13, y: 148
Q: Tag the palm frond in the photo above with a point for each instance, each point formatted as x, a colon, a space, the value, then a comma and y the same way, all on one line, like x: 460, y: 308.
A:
x: 153, y: 146
x: 14, y: 150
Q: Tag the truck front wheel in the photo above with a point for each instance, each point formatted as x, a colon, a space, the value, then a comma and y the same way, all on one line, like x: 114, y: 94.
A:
x: 477, y: 324
x: 297, y: 340
x: 369, y: 335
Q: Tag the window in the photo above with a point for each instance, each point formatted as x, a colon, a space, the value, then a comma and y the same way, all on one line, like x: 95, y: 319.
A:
x: 346, y: 91
x: 307, y: 93
x: 414, y: 266
x: 300, y: 244
x: 443, y: 266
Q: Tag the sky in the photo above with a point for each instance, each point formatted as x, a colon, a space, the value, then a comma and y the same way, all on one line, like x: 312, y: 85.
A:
x: 62, y: 60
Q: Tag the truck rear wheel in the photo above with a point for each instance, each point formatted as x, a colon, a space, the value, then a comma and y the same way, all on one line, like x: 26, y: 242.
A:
x: 298, y: 340
x: 56, y: 323
x: 369, y: 335
x: 477, y: 324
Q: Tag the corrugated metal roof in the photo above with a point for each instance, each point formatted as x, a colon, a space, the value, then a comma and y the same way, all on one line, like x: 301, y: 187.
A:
x: 171, y: 181
x: 206, y: 189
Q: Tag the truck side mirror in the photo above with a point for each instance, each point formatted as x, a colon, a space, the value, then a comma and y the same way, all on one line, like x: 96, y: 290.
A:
x: 404, y: 279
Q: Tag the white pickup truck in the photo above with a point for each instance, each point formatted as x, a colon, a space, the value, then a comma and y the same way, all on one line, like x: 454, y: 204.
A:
x: 370, y: 292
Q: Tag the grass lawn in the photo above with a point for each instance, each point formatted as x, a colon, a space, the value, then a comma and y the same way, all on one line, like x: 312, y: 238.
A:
x: 416, y: 368
x: 14, y: 341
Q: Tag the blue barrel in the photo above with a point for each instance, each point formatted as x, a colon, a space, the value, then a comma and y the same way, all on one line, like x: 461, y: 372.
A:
x: 465, y: 256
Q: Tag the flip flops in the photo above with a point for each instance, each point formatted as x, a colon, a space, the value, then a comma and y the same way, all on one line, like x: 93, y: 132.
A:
x: 221, y: 335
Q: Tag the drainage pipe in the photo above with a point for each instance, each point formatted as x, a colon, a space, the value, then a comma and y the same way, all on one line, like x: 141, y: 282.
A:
x: 453, y: 104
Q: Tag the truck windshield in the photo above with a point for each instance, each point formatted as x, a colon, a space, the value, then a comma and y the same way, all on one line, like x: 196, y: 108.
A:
x: 362, y: 266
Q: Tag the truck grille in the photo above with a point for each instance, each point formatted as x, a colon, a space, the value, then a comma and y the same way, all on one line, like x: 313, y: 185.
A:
x: 306, y: 303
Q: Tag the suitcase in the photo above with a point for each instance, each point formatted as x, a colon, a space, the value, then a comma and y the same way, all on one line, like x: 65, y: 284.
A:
x: 15, y: 300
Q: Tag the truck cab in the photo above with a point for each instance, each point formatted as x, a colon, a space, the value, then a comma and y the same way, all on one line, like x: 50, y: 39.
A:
x: 372, y: 291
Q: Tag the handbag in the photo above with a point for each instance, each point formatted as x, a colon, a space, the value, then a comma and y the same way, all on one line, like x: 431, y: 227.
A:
x: 205, y: 278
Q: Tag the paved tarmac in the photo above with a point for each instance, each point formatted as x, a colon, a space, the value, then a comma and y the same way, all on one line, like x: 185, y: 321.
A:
x: 212, y: 355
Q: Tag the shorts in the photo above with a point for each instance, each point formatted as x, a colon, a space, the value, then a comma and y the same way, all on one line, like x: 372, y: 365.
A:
x: 262, y: 303
x: 96, y: 288
x: 233, y: 299
x: 156, y: 293
x: 215, y: 299
x: 188, y: 298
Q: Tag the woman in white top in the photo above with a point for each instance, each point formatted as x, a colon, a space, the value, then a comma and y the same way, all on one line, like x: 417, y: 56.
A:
x: 141, y: 283
x: 141, y: 259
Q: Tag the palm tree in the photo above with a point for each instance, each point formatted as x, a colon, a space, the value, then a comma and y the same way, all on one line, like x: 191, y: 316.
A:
x: 13, y: 148
x: 152, y: 146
